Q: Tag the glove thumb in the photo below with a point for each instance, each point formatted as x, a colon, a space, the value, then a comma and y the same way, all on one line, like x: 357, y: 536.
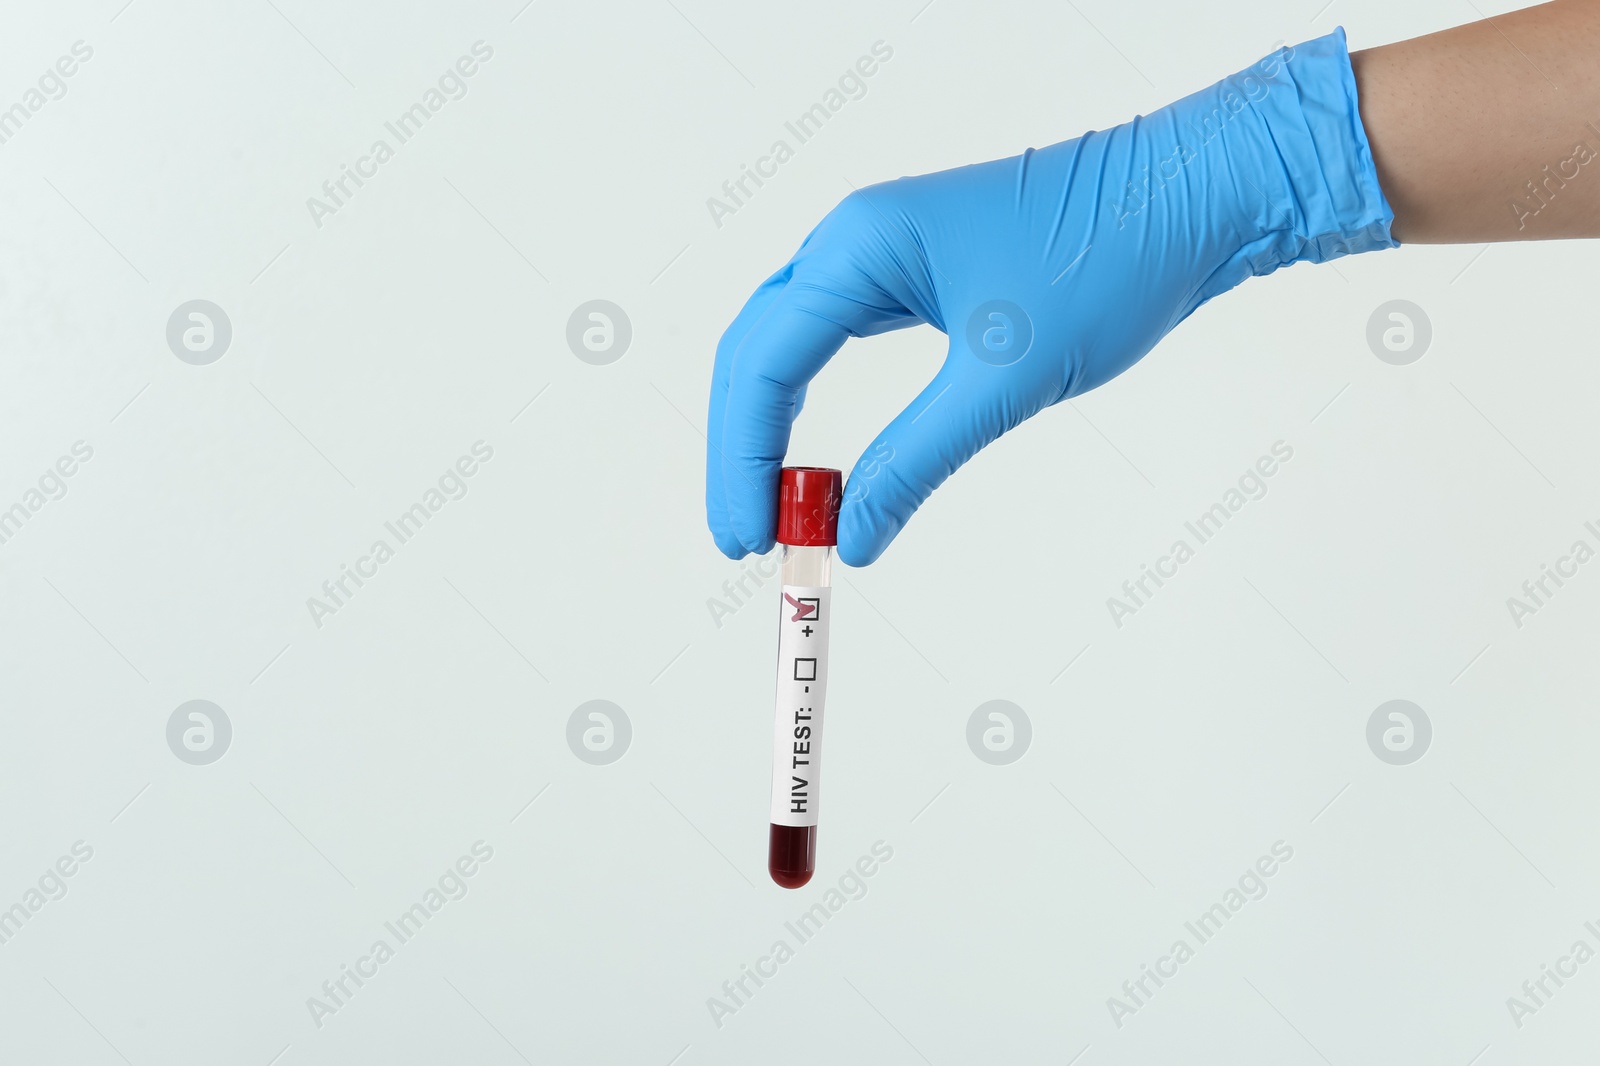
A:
x: 956, y: 415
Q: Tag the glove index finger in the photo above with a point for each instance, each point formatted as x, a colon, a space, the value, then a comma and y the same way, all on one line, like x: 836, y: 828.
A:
x: 732, y: 337
x: 801, y: 330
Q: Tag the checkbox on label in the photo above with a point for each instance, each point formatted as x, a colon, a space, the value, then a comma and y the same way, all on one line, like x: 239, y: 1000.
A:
x: 805, y: 669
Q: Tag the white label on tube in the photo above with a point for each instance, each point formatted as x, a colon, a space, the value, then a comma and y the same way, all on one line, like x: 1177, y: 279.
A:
x: 802, y: 684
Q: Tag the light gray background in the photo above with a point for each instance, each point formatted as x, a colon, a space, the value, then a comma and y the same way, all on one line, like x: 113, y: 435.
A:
x: 368, y: 755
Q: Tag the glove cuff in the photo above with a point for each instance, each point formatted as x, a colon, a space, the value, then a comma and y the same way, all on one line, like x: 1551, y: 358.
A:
x: 1318, y: 192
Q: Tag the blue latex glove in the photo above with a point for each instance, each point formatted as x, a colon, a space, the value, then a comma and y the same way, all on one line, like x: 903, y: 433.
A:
x: 1050, y: 272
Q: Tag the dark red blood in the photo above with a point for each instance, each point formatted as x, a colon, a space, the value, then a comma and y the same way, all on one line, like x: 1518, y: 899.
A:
x: 792, y: 854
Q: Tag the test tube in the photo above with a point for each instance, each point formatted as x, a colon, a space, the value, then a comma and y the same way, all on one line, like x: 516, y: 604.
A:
x: 808, y: 520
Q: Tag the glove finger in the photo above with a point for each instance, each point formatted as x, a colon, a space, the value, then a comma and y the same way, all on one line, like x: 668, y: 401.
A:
x: 732, y: 337
x: 801, y: 330
x: 958, y: 414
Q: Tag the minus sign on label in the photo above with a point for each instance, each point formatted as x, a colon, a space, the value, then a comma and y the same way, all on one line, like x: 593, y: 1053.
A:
x: 808, y: 688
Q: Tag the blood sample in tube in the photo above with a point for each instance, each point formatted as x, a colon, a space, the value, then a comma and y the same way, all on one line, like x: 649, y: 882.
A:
x: 808, y: 521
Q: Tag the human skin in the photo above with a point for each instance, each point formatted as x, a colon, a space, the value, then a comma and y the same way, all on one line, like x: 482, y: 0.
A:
x: 1461, y: 121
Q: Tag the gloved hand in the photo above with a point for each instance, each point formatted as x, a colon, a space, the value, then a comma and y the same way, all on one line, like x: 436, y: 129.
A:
x: 1050, y: 272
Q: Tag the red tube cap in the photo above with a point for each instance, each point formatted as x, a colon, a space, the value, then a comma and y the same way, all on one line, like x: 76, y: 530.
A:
x: 808, y: 505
